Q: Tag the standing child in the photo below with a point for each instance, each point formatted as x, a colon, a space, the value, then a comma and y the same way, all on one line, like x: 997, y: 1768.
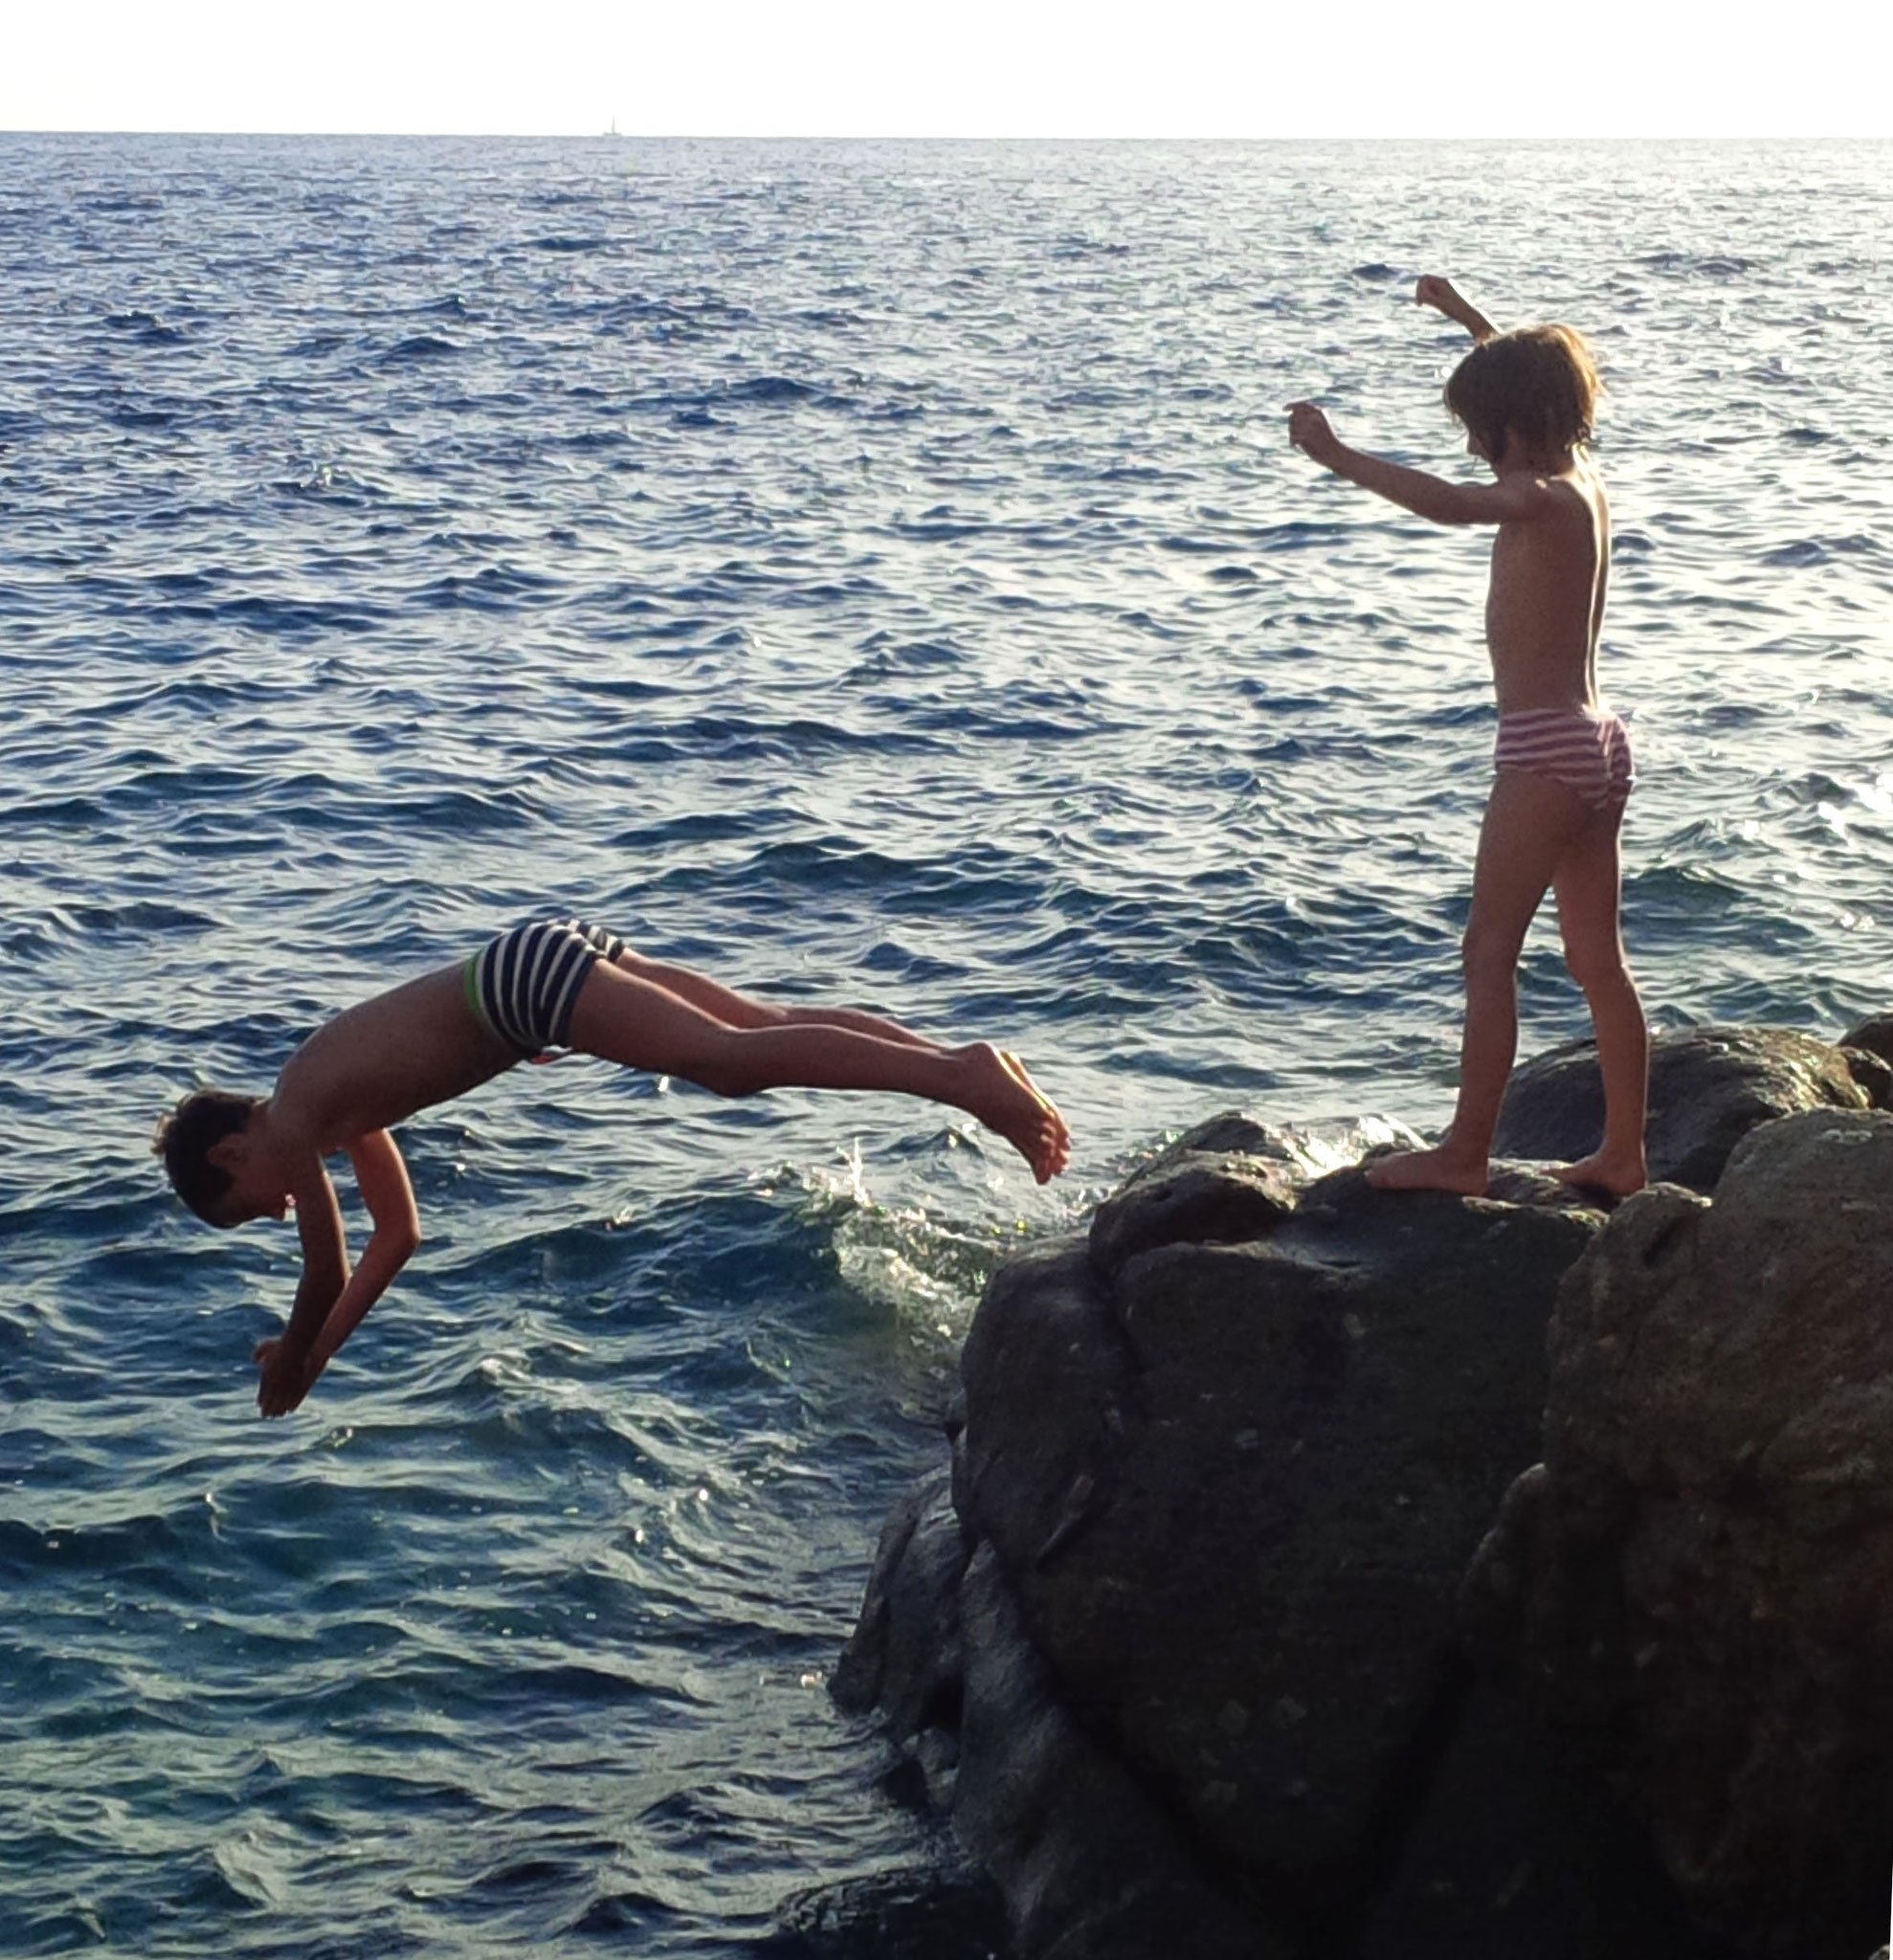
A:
x: 233, y: 1158
x: 1562, y: 765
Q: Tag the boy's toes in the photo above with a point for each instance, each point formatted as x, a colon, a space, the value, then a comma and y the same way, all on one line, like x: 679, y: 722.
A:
x: 1022, y: 1075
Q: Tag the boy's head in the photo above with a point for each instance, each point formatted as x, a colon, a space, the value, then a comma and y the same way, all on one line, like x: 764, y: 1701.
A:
x: 1537, y: 383
x: 186, y: 1139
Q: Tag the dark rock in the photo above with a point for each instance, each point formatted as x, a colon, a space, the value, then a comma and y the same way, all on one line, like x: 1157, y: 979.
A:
x: 1708, y: 1088
x: 1045, y: 1343
x: 1699, y: 1581
x: 1518, y: 1853
x: 1091, y: 1867
x: 1301, y: 1152
x: 892, y: 1916
x: 1231, y: 1134
x: 1223, y: 1681
x: 1868, y: 1046
x: 1200, y: 1197
x: 1874, y: 1075
x: 1234, y: 1492
x: 904, y: 1656
x: 1872, y: 1037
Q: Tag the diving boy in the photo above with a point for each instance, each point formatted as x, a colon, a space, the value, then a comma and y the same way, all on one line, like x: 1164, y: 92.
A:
x: 1562, y: 764
x: 555, y: 984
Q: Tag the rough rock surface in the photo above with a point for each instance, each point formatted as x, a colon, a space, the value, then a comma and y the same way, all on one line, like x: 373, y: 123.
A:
x: 1220, y: 1468
x: 1188, y: 1637
x: 1872, y: 1037
x: 1708, y: 1088
x: 1091, y: 1869
x: 1698, y: 1581
x: 1234, y: 1483
x: 905, y: 1658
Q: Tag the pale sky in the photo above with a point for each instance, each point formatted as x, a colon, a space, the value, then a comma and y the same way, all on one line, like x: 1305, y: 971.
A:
x: 1105, y: 68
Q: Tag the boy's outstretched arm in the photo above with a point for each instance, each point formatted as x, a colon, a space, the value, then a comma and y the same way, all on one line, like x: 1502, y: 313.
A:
x: 382, y: 1177
x: 331, y: 1300
x: 1443, y: 297
x: 285, y: 1360
x: 1515, y: 499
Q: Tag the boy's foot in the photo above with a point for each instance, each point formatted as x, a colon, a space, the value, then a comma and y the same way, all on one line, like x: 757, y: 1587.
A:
x: 1440, y: 1170
x: 1620, y: 1176
x: 1006, y: 1099
x: 1021, y: 1075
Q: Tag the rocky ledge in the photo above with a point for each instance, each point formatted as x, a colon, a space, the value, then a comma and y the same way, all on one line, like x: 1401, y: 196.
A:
x: 1330, y: 1575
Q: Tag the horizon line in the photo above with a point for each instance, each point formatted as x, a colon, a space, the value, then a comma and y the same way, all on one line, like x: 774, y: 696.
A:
x: 1536, y: 140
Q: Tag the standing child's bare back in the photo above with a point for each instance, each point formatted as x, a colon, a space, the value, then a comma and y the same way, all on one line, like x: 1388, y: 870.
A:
x: 1545, y: 607
x: 1562, y: 764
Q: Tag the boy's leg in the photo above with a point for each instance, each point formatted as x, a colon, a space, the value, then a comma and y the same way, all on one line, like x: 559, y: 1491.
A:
x: 739, y: 1010
x: 742, y: 1010
x: 626, y: 1018
x: 1589, y: 883
x: 1529, y: 824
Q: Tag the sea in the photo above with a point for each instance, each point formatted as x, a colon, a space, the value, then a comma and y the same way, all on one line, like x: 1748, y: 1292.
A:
x: 873, y: 573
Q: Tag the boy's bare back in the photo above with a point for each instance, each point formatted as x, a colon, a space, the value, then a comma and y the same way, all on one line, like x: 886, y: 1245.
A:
x: 378, y: 1062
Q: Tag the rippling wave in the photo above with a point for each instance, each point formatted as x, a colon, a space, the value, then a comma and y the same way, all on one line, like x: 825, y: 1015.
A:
x: 868, y: 572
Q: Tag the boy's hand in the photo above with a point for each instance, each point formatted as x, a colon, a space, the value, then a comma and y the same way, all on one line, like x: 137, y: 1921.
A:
x: 1308, y: 429
x: 286, y: 1377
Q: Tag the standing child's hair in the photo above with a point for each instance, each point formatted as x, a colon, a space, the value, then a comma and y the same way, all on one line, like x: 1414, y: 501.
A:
x: 186, y: 1138
x: 1537, y: 383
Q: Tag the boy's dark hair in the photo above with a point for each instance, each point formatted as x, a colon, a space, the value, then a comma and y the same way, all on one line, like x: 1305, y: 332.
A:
x: 1537, y: 383
x: 185, y: 1141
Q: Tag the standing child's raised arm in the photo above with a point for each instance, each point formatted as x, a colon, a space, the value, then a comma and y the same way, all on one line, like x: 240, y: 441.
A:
x: 1517, y: 501
x: 1443, y: 297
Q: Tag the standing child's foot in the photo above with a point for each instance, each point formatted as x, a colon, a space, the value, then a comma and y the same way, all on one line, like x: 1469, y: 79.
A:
x: 1619, y: 1172
x: 1438, y: 1169
x: 1006, y: 1099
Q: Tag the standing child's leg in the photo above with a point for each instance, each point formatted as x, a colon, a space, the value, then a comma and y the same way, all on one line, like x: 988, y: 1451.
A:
x: 623, y: 1018
x: 1531, y: 823
x: 1589, y: 885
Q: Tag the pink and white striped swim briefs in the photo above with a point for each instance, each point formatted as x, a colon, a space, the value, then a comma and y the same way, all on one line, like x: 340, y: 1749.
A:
x: 1587, y: 749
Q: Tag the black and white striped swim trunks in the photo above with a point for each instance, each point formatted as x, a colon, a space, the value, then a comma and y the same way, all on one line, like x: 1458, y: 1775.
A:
x: 521, y: 985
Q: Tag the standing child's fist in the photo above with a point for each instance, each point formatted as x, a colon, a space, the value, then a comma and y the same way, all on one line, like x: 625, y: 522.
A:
x: 1308, y: 429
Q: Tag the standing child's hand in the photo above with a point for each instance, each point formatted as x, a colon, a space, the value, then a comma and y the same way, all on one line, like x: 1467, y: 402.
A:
x: 1308, y: 429
x: 1446, y: 298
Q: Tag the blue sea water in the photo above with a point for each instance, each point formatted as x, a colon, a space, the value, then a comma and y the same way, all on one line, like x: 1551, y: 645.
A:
x: 874, y: 572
